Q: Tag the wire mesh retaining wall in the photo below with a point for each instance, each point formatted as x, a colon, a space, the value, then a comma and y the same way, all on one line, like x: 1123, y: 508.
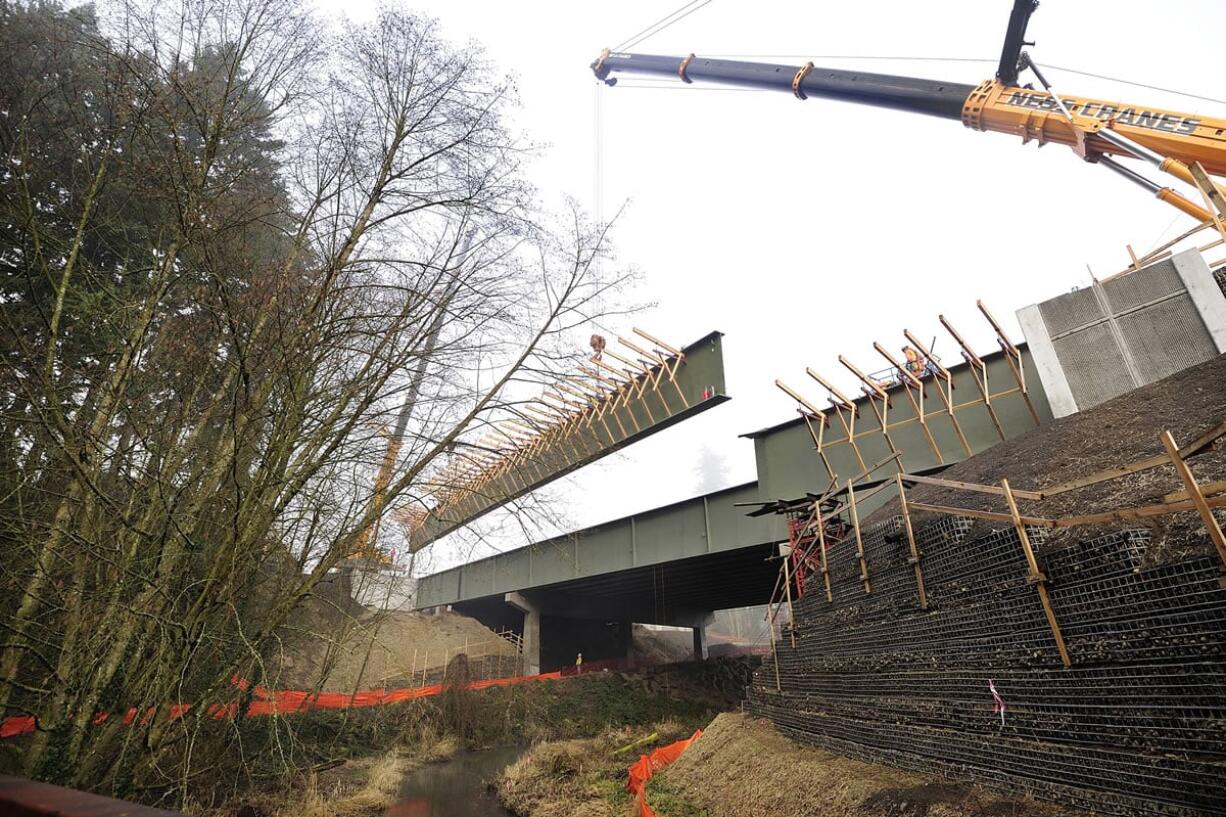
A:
x: 1136, y: 726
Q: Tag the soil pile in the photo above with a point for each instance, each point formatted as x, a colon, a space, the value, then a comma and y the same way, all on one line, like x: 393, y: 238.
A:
x: 1116, y: 433
x: 742, y: 767
x: 661, y: 646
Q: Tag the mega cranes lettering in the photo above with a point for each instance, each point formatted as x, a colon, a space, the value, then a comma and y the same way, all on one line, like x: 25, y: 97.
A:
x: 1154, y: 120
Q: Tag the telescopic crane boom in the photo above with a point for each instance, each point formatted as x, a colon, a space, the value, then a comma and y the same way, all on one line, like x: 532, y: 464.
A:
x: 1097, y: 130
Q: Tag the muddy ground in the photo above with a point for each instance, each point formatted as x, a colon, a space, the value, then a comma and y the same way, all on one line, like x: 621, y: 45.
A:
x: 1116, y: 433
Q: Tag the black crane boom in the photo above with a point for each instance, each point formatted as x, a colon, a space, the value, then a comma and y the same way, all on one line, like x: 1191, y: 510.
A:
x: 932, y: 97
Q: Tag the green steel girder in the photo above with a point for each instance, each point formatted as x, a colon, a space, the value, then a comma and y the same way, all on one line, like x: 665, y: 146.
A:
x: 659, y: 401
x: 788, y: 469
x: 788, y: 466
x: 706, y: 524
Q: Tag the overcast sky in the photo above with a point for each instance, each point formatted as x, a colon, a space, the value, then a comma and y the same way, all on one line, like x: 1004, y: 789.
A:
x: 803, y: 230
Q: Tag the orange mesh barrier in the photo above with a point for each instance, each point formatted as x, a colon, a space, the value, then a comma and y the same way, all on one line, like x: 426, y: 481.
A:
x: 283, y: 702
x: 647, y: 765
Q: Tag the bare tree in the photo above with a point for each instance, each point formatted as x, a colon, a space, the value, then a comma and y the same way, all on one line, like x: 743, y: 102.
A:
x: 231, y: 239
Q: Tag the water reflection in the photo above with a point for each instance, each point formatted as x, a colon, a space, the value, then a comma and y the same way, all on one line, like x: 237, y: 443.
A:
x: 455, y: 788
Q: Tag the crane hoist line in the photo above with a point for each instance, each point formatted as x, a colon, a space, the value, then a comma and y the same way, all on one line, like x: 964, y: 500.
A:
x: 1096, y: 129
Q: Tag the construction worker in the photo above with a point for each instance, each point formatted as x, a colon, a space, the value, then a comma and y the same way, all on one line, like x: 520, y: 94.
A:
x: 916, y: 366
x: 579, y: 664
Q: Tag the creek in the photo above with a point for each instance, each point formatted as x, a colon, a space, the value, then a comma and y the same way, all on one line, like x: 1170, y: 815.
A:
x: 455, y: 788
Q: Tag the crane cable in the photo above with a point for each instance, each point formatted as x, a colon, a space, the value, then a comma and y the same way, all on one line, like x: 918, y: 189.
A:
x: 655, y: 28
x: 659, y: 25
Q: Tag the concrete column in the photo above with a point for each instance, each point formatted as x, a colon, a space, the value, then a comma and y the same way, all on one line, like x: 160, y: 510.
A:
x: 532, y: 631
x: 700, y: 643
x: 1203, y: 290
x: 1043, y: 353
x: 626, y: 629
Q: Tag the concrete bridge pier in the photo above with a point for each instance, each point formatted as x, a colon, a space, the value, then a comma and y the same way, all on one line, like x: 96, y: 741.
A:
x: 531, y: 631
x: 557, y: 627
x: 700, y: 643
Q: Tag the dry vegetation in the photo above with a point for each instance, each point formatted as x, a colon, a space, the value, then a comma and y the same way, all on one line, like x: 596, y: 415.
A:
x: 248, y: 261
x: 581, y: 777
x: 358, y: 787
x: 742, y: 767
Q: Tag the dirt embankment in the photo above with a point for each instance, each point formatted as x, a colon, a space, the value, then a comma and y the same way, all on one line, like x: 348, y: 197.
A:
x: 575, y: 767
x: 742, y: 767
x: 1114, y: 434
x: 375, y: 649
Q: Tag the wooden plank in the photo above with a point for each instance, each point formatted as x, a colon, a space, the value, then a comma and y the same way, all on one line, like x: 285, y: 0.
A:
x: 1203, y: 441
x: 790, y: 392
x: 867, y: 471
x: 774, y: 651
x: 1103, y: 476
x: 991, y: 516
x: 1208, y: 489
x: 1162, y: 251
x: 1194, y: 493
x: 971, y: 357
x: 971, y: 486
x: 1014, y: 358
x: 1191, y: 449
x: 660, y: 368
x: 882, y: 416
x: 1142, y: 512
x: 817, y: 441
x: 838, y: 395
x: 915, y: 555
x: 871, y: 492
x: 908, y: 381
x: 1214, y: 200
x: 1133, y: 256
x: 868, y: 382
x: 979, y: 374
x: 855, y: 523
x: 787, y: 591
x: 1020, y: 527
x: 1035, y: 574
x: 850, y: 431
x: 672, y: 350
x: 821, y: 539
x: 946, y: 398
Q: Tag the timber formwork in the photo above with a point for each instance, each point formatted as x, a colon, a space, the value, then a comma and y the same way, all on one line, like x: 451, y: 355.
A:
x: 1136, y: 725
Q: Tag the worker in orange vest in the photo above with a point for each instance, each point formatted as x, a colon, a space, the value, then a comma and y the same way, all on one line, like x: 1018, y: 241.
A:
x: 915, y: 365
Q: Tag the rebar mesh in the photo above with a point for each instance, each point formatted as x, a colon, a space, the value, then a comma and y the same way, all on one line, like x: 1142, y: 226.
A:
x: 1136, y: 726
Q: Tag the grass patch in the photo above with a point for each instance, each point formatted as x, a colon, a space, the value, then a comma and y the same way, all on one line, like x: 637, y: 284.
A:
x: 587, y: 777
x: 669, y: 801
x: 588, y: 717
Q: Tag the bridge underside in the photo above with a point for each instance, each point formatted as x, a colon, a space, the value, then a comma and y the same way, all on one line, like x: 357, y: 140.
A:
x: 676, y: 564
x: 593, y: 615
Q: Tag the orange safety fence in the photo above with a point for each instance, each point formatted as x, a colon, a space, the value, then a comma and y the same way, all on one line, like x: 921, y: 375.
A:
x: 285, y: 702
x: 647, y: 765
